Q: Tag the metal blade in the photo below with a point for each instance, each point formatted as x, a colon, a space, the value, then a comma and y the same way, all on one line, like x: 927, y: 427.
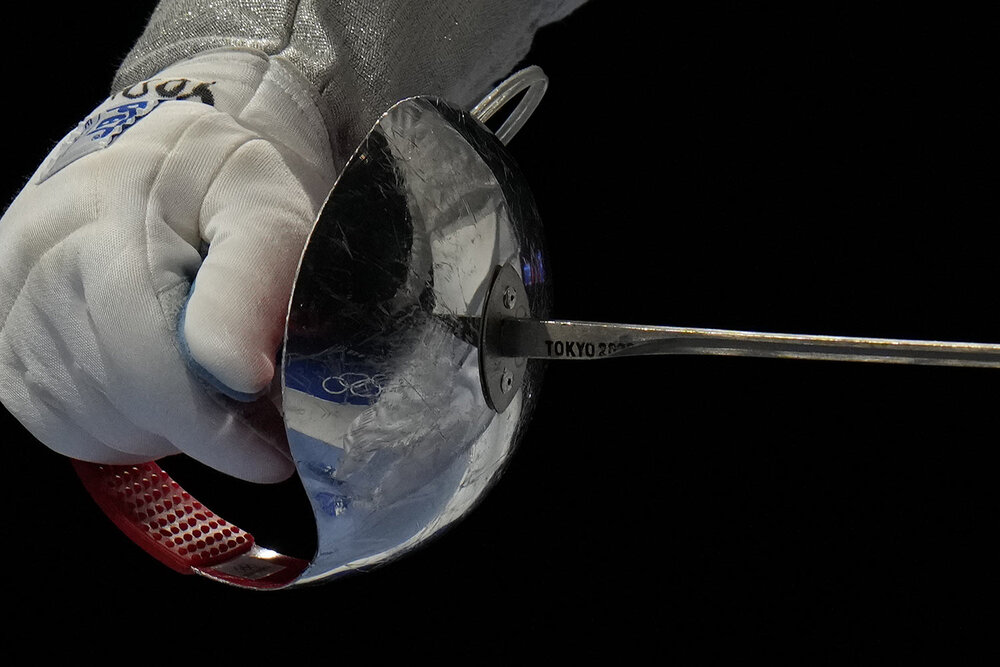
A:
x: 509, y: 336
x: 551, y: 339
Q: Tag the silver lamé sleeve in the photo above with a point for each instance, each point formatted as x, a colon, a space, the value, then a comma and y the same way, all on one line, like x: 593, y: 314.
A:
x: 362, y: 56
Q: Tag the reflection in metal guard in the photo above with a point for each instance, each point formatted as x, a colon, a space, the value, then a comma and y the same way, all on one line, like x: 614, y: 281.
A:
x: 391, y: 287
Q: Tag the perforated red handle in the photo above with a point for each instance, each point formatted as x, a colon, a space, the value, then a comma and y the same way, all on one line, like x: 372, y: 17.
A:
x: 173, y: 527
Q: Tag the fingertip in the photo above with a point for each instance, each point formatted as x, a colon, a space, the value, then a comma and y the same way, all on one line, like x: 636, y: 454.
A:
x: 242, y: 453
x: 273, y: 473
x: 242, y: 440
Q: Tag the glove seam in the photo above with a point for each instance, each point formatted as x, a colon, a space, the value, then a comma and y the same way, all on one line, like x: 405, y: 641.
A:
x: 27, y: 276
x: 201, y: 46
x: 57, y: 243
x: 35, y: 391
x: 172, y: 326
x: 288, y: 70
x: 304, y: 94
x: 80, y: 376
x: 291, y: 83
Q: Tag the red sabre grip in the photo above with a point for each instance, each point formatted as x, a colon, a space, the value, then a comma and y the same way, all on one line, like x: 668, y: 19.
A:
x: 161, y: 517
x: 180, y: 532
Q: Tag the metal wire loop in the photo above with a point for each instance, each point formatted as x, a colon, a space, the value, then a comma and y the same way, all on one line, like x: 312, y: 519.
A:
x: 531, y: 78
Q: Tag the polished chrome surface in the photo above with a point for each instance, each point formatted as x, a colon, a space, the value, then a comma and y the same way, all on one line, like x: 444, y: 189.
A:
x: 391, y: 433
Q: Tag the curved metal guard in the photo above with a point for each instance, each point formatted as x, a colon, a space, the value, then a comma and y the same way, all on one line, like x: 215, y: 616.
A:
x: 391, y: 433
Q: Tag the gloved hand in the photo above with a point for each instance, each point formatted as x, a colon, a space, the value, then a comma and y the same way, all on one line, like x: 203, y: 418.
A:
x: 103, y: 355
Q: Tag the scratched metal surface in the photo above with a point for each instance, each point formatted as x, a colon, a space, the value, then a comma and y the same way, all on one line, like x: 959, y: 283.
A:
x: 387, y: 422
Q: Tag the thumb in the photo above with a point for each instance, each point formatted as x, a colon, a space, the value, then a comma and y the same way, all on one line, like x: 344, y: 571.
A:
x: 256, y: 218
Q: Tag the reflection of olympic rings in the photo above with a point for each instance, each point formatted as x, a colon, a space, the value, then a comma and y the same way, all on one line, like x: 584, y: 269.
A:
x: 355, y: 384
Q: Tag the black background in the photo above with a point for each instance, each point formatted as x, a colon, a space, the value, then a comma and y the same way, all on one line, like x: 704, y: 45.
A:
x: 822, y: 171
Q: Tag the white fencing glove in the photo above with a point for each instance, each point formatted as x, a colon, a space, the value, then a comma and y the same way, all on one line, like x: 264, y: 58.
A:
x: 100, y: 250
